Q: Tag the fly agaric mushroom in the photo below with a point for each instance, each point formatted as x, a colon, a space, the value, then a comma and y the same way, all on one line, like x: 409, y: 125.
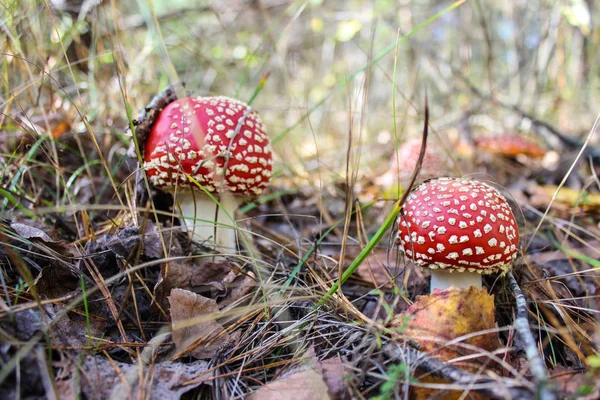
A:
x: 510, y: 146
x: 214, y: 145
x: 435, y: 163
x: 460, y: 229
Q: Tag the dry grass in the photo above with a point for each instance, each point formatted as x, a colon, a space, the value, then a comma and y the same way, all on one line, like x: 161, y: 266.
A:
x: 345, y: 82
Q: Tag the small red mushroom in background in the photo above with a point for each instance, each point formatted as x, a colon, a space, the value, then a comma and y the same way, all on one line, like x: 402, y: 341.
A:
x: 403, y: 163
x: 217, y: 144
x: 459, y: 229
x: 510, y: 146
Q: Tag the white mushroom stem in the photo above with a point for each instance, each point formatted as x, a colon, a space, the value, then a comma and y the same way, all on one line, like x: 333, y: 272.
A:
x: 199, y: 212
x: 442, y: 279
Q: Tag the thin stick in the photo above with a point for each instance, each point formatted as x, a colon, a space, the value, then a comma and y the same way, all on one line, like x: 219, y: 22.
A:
x: 536, y: 364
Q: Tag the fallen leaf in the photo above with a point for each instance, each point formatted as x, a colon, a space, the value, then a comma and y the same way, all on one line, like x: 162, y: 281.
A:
x: 195, y: 329
x: 72, y: 329
x: 574, y: 384
x: 541, y: 195
x: 445, y: 315
x: 220, y: 280
x: 311, y: 379
x: 301, y: 385
x: 30, y: 232
x: 333, y: 370
x: 95, y: 377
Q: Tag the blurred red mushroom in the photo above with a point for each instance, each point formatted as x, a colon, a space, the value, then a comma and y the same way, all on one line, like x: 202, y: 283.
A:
x: 215, y: 145
x: 510, y: 146
x: 403, y: 163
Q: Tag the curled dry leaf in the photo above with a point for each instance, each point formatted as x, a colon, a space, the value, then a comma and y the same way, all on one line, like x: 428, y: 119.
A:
x: 96, y: 377
x: 195, y: 329
x: 444, y: 315
x: 571, y: 197
x: 220, y: 280
x: 34, y: 236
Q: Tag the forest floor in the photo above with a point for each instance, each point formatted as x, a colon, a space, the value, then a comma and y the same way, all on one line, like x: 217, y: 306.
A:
x: 102, y: 295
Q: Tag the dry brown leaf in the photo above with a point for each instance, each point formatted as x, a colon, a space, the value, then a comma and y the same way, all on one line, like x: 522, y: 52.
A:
x: 376, y: 270
x: 574, y: 384
x: 194, y: 321
x: 566, y: 198
x: 98, y: 378
x: 221, y: 281
x: 333, y: 374
x: 72, y: 329
x: 30, y: 232
x: 312, y: 379
x: 301, y: 385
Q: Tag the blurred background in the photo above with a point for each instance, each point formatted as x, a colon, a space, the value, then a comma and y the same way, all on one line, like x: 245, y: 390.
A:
x: 333, y: 72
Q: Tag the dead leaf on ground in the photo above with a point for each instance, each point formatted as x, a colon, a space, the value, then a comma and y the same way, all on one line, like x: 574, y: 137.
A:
x: 333, y: 370
x: 221, y: 281
x: 574, y: 384
x: 313, y: 379
x: 72, y: 329
x: 565, y: 200
x: 68, y: 329
x: 195, y: 329
x: 30, y: 232
x: 379, y: 269
x: 95, y: 377
x: 302, y: 385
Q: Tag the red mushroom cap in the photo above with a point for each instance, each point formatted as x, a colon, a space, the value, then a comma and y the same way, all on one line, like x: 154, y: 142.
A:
x: 458, y: 224
x: 510, y: 146
x: 218, y: 141
x: 434, y: 162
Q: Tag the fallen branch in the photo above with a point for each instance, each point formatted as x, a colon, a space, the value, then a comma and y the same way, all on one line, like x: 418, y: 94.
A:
x: 536, y: 364
x: 491, y: 388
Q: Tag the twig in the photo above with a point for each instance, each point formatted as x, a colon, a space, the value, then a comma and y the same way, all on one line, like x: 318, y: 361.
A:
x: 536, y: 364
x: 497, y: 388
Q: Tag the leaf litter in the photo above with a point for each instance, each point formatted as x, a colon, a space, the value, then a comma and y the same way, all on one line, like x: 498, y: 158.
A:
x: 102, y: 297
